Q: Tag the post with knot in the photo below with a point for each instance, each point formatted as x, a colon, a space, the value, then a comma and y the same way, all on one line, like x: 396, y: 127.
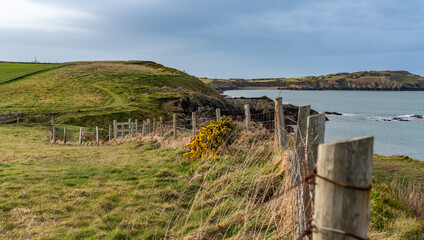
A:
x: 315, y: 131
x: 174, y: 124
x: 247, y: 116
x: 280, y: 130
x: 299, y: 169
x: 218, y: 114
x: 342, y: 197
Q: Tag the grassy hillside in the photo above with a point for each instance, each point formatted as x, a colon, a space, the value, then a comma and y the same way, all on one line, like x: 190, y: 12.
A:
x: 147, y: 190
x: 10, y: 70
x: 368, y: 80
x: 96, y: 92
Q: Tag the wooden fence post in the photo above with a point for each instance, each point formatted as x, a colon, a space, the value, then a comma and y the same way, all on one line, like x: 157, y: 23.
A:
x: 144, y: 129
x: 136, y: 127
x: 80, y: 136
x: 115, y: 129
x: 110, y: 132
x: 132, y: 130
x: 299, y: 167
x: 174, y: 124
x: 280, y: 130
x: 315, y: 132
x: 302, y: 118
x: 193, y: 122
x: 123, y: 130
x: 149, y: 130
x: 343, y: 210
x: 218, y: 114
x: 64, y: 135
x: 161, y: 126
x: 97, y: 135
x: 247, y: 116
x: 53, y: 131
x: 154, y: 127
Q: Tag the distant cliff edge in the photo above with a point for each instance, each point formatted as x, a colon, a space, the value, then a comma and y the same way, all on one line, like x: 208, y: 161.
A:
x: 367, y: 80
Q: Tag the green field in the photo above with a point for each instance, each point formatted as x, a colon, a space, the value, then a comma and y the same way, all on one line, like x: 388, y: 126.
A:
x: 11, y: 70
x: 95, y: 93
x: 147, y: 190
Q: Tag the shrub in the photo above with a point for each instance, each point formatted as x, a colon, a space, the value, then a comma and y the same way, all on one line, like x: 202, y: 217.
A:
x: 210, y: 139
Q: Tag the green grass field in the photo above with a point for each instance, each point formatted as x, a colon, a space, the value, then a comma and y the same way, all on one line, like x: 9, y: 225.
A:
x: 95, y: 93
x: 140, y: 190
x: 10, y: 70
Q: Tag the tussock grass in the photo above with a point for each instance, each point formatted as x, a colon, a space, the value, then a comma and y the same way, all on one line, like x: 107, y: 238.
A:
x: 145, y: 189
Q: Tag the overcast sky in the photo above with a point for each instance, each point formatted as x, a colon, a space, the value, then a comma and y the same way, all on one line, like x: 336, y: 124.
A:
x: 220, y: 38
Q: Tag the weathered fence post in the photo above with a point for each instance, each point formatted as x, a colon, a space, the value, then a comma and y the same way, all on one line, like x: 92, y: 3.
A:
x: 97, y: 135
x: 136, y: 127
x: 132, y: 130
x: 115, y: 129
x: 149, y: 129
x: 315, y: 132
x: 193, y: 123
x: 110, y: 132
x: 154, y: 127
x: 64, y: 135
x: 280, y: 131
x: 161, y: 126
x: 123, y: 130
x: 299, y: 167
x: 53, y: 131
x: 342, y: 197
x: 302, y: 118
x: 174, y: 124
x: 247, y: 116
x: 218, y: 114
x: 80, y: 136
x: 144, y: 128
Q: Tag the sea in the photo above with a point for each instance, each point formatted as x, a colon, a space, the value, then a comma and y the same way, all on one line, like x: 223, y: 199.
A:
x: 365, y: 113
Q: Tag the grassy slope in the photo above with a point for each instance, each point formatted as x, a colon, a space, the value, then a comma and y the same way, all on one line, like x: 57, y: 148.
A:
x: 93, y: 93
x: 10, y: 70
x: 142, y: 191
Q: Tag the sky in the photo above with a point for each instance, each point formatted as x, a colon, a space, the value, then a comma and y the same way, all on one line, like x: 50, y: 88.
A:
x: 220, y: 38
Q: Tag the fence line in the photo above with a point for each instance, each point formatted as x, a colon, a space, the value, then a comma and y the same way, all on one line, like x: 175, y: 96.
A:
x: 341, y: 170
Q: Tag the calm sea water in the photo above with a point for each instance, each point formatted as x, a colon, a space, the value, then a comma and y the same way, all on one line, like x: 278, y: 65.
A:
x: 363, y: 114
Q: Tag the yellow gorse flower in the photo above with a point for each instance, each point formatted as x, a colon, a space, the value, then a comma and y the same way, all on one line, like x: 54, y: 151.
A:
x: 210, y: 139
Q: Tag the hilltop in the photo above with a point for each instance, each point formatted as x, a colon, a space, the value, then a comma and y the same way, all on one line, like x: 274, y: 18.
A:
x: 91, y: 93
x: 366, y: 80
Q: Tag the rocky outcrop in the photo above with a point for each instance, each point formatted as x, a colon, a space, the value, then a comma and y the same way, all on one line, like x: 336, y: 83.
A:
x: 262, y: 109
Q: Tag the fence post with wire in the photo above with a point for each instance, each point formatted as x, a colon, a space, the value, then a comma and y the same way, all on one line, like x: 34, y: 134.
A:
x: 247, y: 116
x: 342, y: 197
x: 315, y: 132
x: 193, y: 123
x: 299, y: 169
x: 279, y: 129
x: 218, y: 114
x: 174, y: 124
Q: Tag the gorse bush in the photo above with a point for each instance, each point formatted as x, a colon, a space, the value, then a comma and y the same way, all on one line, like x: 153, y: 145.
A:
x: 211, y: 139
